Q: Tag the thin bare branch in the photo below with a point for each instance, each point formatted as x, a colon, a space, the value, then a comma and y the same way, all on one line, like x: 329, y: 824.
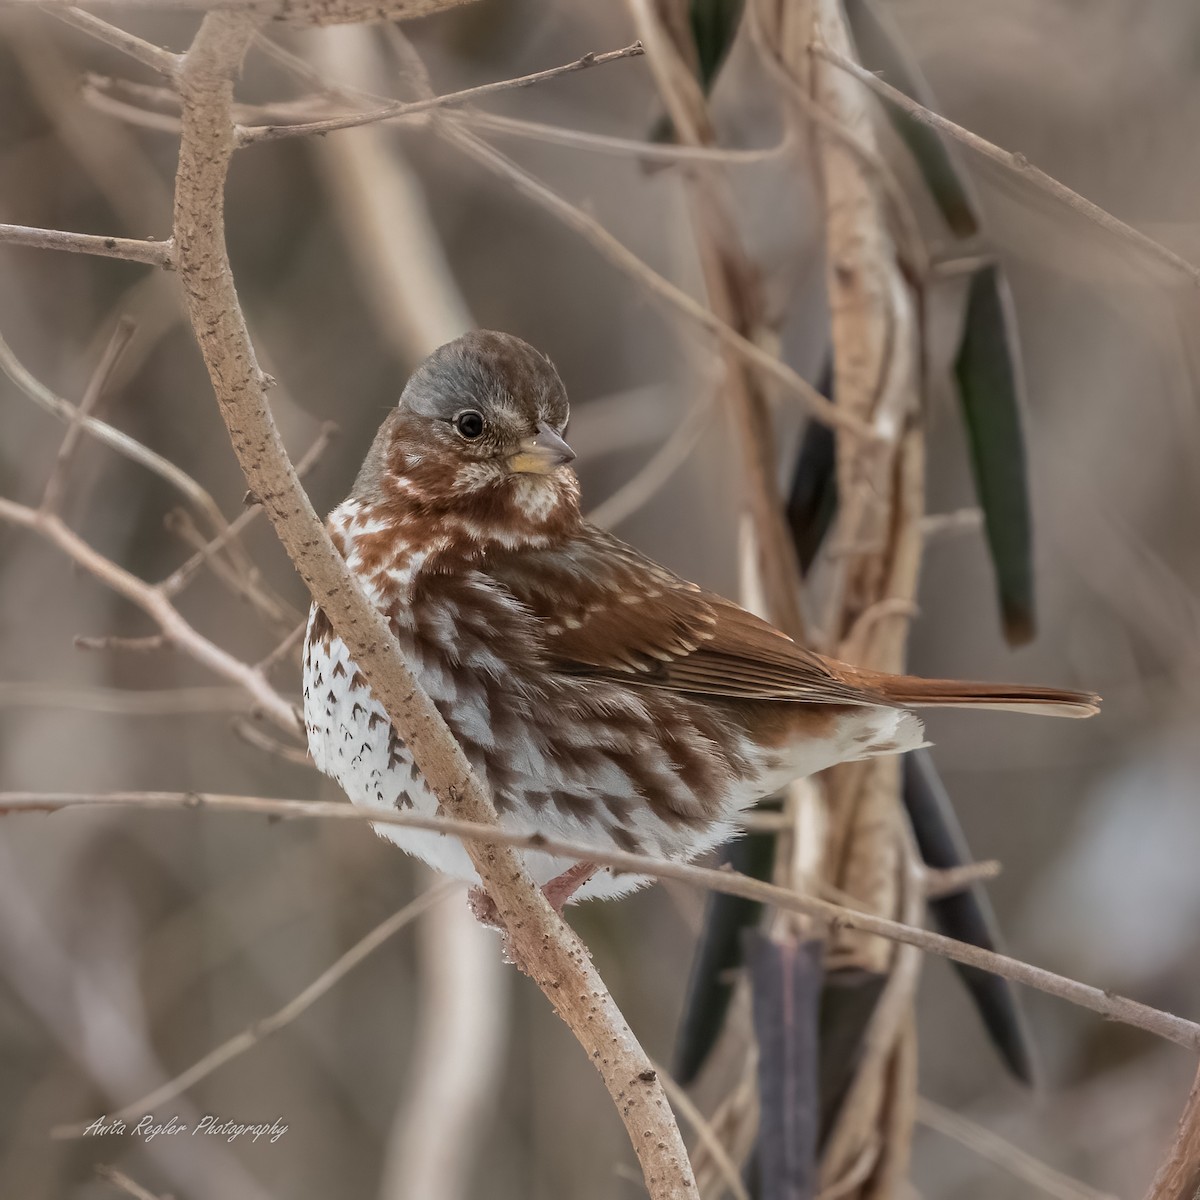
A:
x: 950, y: 881
x: 120, y: 1180
x: 103, y: 101
x: 286, y: 647
x: 154, y: 254
x: 56, y: 483
x: 676, y: 298
x: 603, y: 143
x: 152, y: 602
x: 961, y: 520
x: 183, y: 574
x: 260, y: 739
x: 1017, y: 163
x: 112, y: 437
x: 1107, y: 1004
x: 262, y: 1029
x: 687, y: 1107
x: 132, y: 702
x: 139, y: 645
x: 399, y: 110
x: 733, y: 288
x: 658, y: 469
x: 454, y: 129
x: 245, y: 585
x: 154, y: 57
x: 1003, y: 1153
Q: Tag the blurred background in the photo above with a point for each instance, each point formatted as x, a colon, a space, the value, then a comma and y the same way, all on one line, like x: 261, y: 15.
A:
x: 131, y: 943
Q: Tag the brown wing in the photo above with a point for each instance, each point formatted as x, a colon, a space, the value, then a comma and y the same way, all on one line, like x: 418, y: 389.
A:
x: 608, y: 611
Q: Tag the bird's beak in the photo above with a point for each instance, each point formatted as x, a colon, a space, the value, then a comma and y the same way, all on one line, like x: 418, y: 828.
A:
x: 540, y: 454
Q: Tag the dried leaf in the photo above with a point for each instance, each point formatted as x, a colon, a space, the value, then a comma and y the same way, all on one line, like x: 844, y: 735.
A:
x: 968, y: 915
x: 991, y: 392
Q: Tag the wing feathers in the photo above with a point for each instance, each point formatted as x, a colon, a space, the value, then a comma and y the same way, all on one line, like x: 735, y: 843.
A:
x: 933, y: 693
x: 608, y: 611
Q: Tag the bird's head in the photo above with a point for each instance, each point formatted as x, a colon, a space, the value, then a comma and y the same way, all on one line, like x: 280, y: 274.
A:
x: 478, y: 430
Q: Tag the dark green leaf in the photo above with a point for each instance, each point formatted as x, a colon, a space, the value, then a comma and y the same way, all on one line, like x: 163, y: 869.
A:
x: 719, y: 955
x: 991, y: 392
x: 812, y: 500
x: 713, y: 25
x: 881, y: 49
x: 967, y: 915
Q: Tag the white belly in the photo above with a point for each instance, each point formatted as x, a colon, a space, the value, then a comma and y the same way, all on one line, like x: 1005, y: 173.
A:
x: 348, y: 736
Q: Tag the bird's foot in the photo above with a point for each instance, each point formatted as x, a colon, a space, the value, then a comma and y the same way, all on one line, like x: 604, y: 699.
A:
x: 558, y: 891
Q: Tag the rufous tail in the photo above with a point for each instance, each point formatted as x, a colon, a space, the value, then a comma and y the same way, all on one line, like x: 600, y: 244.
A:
x: 913, y: 692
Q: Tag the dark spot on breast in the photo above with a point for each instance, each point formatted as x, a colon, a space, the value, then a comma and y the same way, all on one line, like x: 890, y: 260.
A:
x: 625, y: 840
x: 320, y: 631
x: 395, y: 749
x: 572, y: 804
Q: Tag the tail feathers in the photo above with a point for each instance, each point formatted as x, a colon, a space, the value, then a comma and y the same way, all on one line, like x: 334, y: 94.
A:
x: 955, y: 693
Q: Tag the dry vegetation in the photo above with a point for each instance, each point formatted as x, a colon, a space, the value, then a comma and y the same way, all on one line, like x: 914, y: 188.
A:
x: 372, y: 209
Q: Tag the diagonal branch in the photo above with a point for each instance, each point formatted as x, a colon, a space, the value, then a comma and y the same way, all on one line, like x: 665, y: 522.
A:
x: 545, y: 946
x: 263, y: 1028
x: 149, y: 55
x: 399, y: 109
x: 1014, y: 162
x: 112, y: 437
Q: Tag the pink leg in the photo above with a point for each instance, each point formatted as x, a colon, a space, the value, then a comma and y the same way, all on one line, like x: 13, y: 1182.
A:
x: 562, y: 887
x: 558, y: 891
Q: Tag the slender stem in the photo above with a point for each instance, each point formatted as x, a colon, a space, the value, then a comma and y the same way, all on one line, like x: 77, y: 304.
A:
x: 144, y: 52
x: 264, y: 1027
x: 152, y: 602
x: 1014, y: 162
x: 155, y: 254
x: 56, y: 484
x: 399, y: 109
x: 1115, y: 1008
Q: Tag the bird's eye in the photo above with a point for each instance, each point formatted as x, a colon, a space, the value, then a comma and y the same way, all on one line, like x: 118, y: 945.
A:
x: 469, y: 424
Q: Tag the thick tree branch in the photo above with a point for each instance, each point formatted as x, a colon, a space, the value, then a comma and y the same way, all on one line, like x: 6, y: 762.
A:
x: 545, y: 946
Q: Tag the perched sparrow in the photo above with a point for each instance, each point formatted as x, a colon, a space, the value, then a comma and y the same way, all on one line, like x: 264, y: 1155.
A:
x: 599, y: 697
